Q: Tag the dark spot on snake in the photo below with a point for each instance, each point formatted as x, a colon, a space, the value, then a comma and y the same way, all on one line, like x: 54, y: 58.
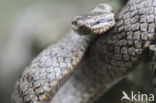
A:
x: 100, y: 21
x: 30, y: 78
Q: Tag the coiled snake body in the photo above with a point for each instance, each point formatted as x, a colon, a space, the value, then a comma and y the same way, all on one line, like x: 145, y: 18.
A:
x: 109, y: 57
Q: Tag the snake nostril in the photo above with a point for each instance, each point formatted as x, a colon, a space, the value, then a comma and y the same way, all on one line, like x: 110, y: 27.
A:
x: 74, y: 23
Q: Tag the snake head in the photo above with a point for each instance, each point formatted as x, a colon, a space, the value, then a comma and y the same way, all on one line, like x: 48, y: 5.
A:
x: 97, y: 21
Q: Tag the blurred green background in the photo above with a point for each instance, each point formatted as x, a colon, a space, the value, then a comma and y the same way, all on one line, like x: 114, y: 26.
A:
x: 29, y: 26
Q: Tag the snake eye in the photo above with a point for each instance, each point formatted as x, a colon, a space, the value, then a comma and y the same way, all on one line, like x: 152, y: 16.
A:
x: 105, y: 20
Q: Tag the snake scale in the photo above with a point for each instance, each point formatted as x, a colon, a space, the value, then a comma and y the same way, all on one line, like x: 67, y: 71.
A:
x: 79, y: 68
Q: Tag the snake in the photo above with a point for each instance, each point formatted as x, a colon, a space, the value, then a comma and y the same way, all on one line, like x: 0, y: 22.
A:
x: 102, y: 49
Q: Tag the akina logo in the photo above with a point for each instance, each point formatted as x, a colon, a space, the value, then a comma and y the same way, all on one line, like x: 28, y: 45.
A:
x: 137, y: 96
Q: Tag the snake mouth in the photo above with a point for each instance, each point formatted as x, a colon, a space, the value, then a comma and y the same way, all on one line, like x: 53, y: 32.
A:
x: 81, y: 28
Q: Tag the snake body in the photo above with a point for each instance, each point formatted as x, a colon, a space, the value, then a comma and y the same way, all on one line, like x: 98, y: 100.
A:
x: 50, y: 69
x: 109, y: 57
